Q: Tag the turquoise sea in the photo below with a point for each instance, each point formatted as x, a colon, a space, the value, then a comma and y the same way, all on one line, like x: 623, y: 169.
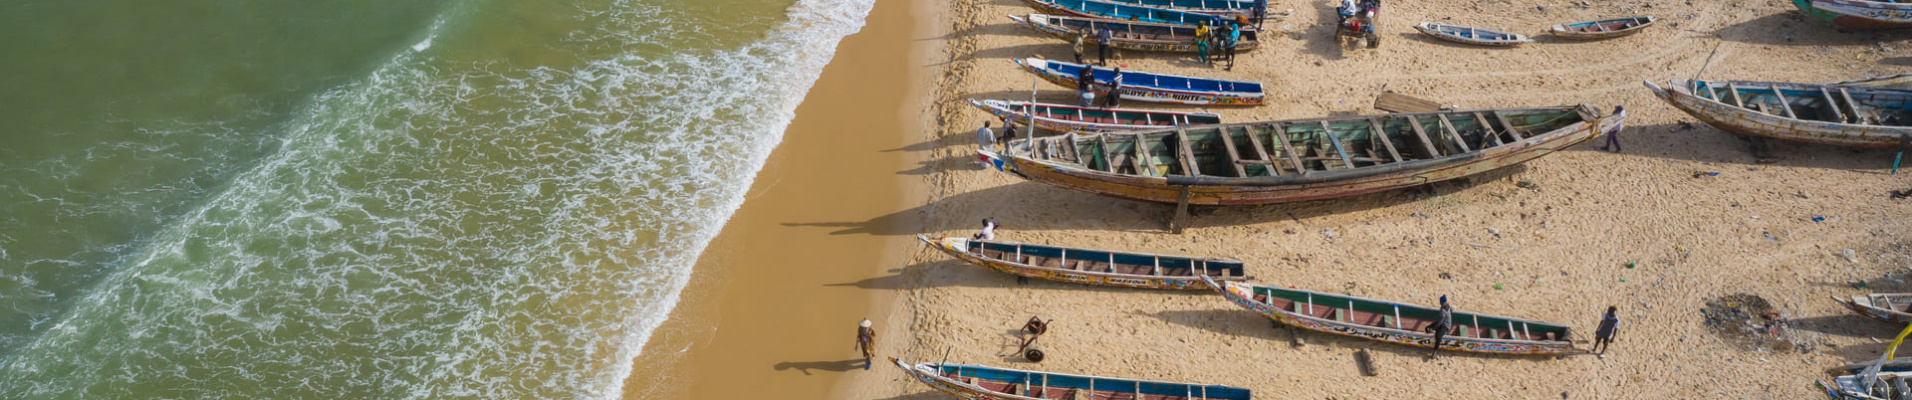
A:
x: 373, y: 199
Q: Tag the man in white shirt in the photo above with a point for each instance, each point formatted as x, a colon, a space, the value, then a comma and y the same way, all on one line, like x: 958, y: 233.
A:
x: 989, y: 231
x: 1613, y: 135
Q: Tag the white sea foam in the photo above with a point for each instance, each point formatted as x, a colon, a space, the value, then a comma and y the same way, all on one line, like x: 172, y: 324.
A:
x: 445, y: 231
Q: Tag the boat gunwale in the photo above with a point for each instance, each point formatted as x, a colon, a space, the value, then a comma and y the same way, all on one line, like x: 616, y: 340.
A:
x: 941, y: 245
x: 1136, y: 84
x: 918, y: 370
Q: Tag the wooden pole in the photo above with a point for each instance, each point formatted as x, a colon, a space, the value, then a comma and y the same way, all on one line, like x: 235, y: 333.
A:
x: 1181, y: 213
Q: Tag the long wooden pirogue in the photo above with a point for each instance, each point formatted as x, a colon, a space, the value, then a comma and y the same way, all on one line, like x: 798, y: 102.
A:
x: 1128, y: 35
x: 1295, y: 160
x: 1124, y: 11
x: 980, y: 382
x: 1888, y: 307
x: 1395, y: 322
x: 1602, y: 29
x: 1068, y: 118
x: 1855, y: 116
x: 1471, y: 35
x: 1089, y: 266
x: 1149, y: 87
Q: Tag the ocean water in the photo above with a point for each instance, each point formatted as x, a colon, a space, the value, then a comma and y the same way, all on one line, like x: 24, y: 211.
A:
x: 373, y: 199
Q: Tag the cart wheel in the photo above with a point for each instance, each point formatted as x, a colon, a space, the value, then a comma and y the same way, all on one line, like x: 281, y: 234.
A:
x: 1034, y: 353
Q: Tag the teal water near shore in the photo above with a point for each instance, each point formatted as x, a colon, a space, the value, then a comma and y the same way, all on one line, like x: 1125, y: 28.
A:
x: 373, y: 199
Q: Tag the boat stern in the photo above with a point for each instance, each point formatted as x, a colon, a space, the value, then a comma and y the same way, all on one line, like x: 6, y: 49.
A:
x: 948, y: 244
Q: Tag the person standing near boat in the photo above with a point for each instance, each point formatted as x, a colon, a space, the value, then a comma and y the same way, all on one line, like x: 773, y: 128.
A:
x: 1603, y: 336
x: 1441, y: 327
x: 1103, y: 38
x: 1078, y: 43
x: 1234, y: 37
x: 1201, y: 42
x: 1115, y: 88
x: 1086, y: 82
x: 866, y: 341
x: 1613, y: 134
x: 985, y: 140
x: 989, y: 231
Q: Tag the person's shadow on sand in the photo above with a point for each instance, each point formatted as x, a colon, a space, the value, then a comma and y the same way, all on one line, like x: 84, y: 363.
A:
x: 833, y: 366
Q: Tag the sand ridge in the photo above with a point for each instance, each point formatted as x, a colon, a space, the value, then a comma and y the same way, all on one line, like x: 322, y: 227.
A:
x: 1547, y: 240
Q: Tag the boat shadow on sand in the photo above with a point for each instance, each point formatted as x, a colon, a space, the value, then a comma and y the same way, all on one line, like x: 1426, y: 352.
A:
x: 949, y: 272
x: 1238, y: 322
x: 1697, y: 141
x: 831, y: 366
x: 1792, y: 29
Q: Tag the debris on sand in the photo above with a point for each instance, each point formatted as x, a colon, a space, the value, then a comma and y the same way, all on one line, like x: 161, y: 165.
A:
x: 1752, y: 323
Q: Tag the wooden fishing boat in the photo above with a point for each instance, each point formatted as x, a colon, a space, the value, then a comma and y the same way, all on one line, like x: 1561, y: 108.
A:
x: 1069, y: 118
x: 1295, y: 160
x: 1888, y: 307
x: 1897, y: 365
x: 1140, y: 36
x: 1885, y: 385
x: 1900, y: 81
x: 1222, y: 7
x: 1155, y: 88
x: 1859, y: 14
x: 1471, y: 35
x: 1603, y: 29
x: 1397, y: 323
x: 980, y: 382
x: 1089, y: 266
x: 1127, y: 12
x: 1856, y: 116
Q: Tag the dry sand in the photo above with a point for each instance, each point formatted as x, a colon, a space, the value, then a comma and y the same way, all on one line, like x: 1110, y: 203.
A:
x: 772, y: 309
x: 1561, y: 247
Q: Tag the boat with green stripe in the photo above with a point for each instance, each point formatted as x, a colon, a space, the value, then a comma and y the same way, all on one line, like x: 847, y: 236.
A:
x: 1397, y: 323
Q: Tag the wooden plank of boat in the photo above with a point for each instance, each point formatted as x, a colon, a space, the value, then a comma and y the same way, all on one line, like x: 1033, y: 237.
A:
x: 1234, y: 154
x: 1125, y: 269
x: 1336, y: 142
x: 1783, y: 103
x: 1553, y: 128
x: 1400, y: 103
x: 1453, y: 136
x: 1374, y: 130
x: 1102, y: 146
x: 1366, y: 318
x: 1254, y: 140
x: 1487, y: 129
x: 980, y: 382
x: 1510, y: 126
x: 1148, y: 158
x: 1885, y: 129
x: 1426, y: 143
x: 1834, y: 105
x: 1185, y: 155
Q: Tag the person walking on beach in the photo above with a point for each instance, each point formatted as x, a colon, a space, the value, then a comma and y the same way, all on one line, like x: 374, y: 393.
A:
x: 866, y: 341
x: 985, y: 138
x: 989, y: 231
x: 1234, y: 36
x: 1115, y: 88
x: 1103, y: 38
x: 1078, y: 44
x: 1613, y: 134
x: 1086, y: 82
x: 1201, y: 42
x: 1603, y: 336
x: 1442, y: 326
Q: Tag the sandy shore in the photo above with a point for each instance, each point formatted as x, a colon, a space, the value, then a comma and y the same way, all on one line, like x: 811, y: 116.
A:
x: 1567, y: 224
x: 772, y: 309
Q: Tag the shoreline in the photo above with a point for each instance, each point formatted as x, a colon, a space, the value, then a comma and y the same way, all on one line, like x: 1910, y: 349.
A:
x: 775, y: 298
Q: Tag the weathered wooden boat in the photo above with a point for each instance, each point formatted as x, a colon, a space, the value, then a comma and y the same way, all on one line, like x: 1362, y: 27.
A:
x: 1140, y: 36
x: 980, y: 382
x: 1397, y: 323
x: 1222, y: 7
x: 1471, y: 35
x: 1885, y: 385
x: 1603, y: 29
x: 1127, y: 12
x: 1859, y: 14
x: 1154, y: 88
x: 1888, y: 307
x: 1856, y: 116
x: 1069, y: 118
x: 1090, y: 266
x: 1295, y: 160
x: 1900, y: 81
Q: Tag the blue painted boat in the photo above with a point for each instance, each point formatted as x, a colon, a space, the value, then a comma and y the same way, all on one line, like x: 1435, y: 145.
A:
x: 1154, y: 88
x: 1224, y: 7
x: 980, y: 382
x: 1127, y: 12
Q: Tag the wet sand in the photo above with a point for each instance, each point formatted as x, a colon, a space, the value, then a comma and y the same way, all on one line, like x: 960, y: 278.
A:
x: 1549, y: 240
x: 772, y: 309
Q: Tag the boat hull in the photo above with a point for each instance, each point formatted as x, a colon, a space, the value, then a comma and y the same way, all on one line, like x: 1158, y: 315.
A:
x: 1128, y: 12
x: 1168, y: 46
x: 1236, y: 294
x: 1567, y: 31
x: 1159, y: 190
x: 1150, y: 94
x: 1437, y: 33
x: 1069, y: 125
x: 1062, y: 275
x: 1868, y: 310
x: 1747, y: 122
x: 1858, y: 14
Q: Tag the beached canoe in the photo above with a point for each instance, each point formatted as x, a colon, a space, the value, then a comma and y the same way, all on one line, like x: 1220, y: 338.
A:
x: 1089, y: 266
x: 1603, y: 29
x: 1154, y: 88
x: 1888, y: 307
x: 1885, y: 385
x: 1140, y: 36
x: 1859, y: 14
x: 1397, y: 323
x: 1471, y: 35
x: 1224, y: 7
x: 1069, y: 118
x: 1855, y: 116
x: 980, y: 382
x: 1127, y: 12
x: 1900, y: 81
x: 1296, y: 160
